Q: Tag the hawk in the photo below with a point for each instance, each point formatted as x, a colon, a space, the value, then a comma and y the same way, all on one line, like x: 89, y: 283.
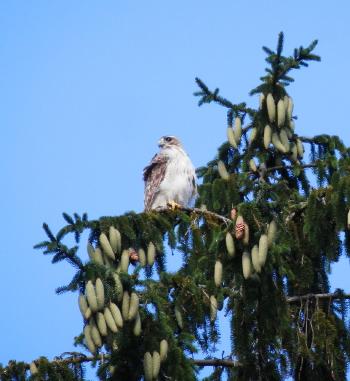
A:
x: 170, y: 177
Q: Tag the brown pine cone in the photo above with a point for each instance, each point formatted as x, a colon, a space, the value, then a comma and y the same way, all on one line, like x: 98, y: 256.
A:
x: 240, y: 228
x: 233, y: 214
x: 134, y: 257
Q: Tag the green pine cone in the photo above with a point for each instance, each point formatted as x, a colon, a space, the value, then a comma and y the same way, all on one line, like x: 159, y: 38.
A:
x: 163, y: 350
x: 148, y: 366
x: 125, y: 305
x: 111, y: 324
x: 106, y: 246
x: 91, y: 296
x: 134, y: 306
x: 246, y: 265
x: 155, y: 365
x: 100, y: 294
x: 218, y: 273
x: 230, y: 245
x: 151, y: 253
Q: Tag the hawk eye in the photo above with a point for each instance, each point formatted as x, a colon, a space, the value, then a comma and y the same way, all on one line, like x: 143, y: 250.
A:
x: 168, y: 139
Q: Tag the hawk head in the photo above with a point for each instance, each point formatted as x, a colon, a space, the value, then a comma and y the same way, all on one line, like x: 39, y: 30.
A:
x: 168, y: 141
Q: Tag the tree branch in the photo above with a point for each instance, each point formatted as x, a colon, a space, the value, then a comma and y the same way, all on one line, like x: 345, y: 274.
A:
x: 311, y: 165
x: 306, y: 139
x: 202, y: 212
x: 331, y: 296
x: 81, y: 358
x: 217, y: 362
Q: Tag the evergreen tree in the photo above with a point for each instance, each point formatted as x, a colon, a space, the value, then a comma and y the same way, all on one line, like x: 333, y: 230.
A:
x: 268, y: 225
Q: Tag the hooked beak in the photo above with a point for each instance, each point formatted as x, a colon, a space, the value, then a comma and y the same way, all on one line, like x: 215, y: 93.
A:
x: 161, y: 143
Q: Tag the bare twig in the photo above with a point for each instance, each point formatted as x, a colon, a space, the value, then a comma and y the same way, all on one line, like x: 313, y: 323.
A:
x: 217, y: 362
x: 330, y: 296
x: 311, y: 165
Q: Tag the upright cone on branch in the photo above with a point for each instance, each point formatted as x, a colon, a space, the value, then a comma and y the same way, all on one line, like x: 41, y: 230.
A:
x: 263, y: 245
x: 111, y: 324
x: 246, y: 265
x: 119, y: 240
x: 155, y: 365
x: 271, y: 107
x: 163, y: 350
x: 284, y: 139
x: 147, y: 366
x: 218, y: 273
x: 178, y: 316
x: 98, y: 257
x: 281, y: 113
x: 88, y: 339
x: 267, y: 136
x: 151, y: 254
x: 231, y: 137
x: 289, y: 133
x: 125, y: 305
x: 115, y: 239
x: 118, y: 286
x: 238, y: 130
x: 142, y: 257
x: 253, y: 135
x: 95, y: 254
x: 233, y: 214
x: 133, y: 255
x: 125, y: 261
x: 91, y: 296
x: 271, y: 233
x: 255, y: 258
x: 137, y: 325
x: 213, y: 308
x: 134, y: 306
x: 106, y: 246
x: 230, y: 245
x: 222, y: 170
x: 33, y: 368
x: 101, y: 324
x: 100, y: 294
x: 277, y: 143
x: 83, y: 306
x: 95, y: 333
x: 239, y: 229
x: 117, y: 316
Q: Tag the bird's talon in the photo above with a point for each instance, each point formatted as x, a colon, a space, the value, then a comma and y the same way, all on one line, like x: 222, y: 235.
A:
x: 173, y: 205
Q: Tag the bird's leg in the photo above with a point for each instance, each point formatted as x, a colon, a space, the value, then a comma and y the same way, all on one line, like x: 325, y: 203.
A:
x: 173, y: 205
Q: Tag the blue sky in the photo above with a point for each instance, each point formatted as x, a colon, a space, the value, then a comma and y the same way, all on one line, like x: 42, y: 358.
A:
x: 86, y: 90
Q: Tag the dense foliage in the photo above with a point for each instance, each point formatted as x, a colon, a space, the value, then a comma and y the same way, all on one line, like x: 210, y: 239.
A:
x: 273, y: 335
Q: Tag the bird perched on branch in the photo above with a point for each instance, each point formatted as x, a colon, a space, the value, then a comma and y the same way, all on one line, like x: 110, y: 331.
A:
x: 170, y: 177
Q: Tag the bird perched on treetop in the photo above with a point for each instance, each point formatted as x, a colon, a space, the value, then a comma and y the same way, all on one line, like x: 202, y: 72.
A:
x: 170, y: 177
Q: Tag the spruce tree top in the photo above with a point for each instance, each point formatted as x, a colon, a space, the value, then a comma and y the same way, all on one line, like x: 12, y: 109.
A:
x: 270, y: 220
